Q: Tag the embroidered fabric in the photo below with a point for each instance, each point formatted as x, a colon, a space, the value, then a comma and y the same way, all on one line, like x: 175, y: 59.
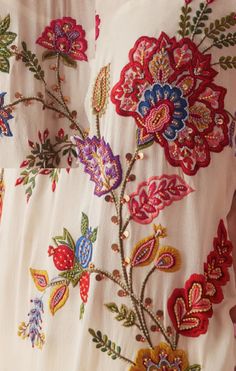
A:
x: 122, y: 254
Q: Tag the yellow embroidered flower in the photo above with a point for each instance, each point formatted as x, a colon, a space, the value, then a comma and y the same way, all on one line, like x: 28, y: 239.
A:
x: 161, y: 358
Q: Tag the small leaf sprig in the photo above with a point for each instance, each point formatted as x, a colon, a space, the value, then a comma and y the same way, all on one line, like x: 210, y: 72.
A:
x: 29, y: 175
x: 106, y: 345
x: 6, y: 39
x: 184, y: 23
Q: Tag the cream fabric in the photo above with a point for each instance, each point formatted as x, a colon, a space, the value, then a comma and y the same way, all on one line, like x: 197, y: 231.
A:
x: 27, y: 229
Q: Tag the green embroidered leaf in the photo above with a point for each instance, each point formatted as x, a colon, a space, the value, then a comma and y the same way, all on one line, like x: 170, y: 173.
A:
x: 123, y: 314
x: 200, y: 19
x: 84, y: 224
x: 31, y: 61
x: 193, y: 368
x: 5, y: 24
x: 81, y: 311
x: 227, y: 62
x: 4, y: 64
x: 68, y: 61
x: 105, y: 345
x: 93, y: 236
x: 112, y: 307
x: 7, y: 39
x: 220, y: 25
x: 5, y: 53
x: 73, y: 275
x: 225, y: 40
x: 66, y: 239
x: 49, y: 54
x: 185, y: 21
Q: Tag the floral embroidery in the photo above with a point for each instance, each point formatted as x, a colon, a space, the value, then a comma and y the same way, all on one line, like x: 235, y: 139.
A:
x: 154, y: 195
x: 65, y: 40
x: 190, y: 308
x: 162, y: 357
x: 65, y: 37
x: 30, y: 174
x: 5, y: 115
x: 33, y: 328
x: 6, y: 39
x: 103, y: 167
x: 97, y: 26
x: 146, y: 250
x: 168, y: 88
x: 72, y: 260
x: 100, y: 91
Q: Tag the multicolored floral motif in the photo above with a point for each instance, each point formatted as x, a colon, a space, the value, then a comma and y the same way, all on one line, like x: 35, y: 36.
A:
x: 5, y: 115
x: 154, y: 195
x: 191, y: 307
x: 145, y: 251
x: 33, y: 328
x: 71, y: 259
x: 66, y: 38
x: 168, y: 88
x: 103, y: 167
x: 162, y: 358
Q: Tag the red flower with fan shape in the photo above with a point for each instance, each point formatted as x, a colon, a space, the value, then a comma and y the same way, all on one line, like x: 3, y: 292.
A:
x: 189, y: 308
x: 65, y: 37
x: 168, y: 88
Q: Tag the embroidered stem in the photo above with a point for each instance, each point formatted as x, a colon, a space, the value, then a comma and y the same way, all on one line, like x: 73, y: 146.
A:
x: 137, y: 300
x: 198, y: 20
x: 45, y: 105
x: 98, y: 127
x: 140, y: 315
x: 228, y: 40
x: 120, y: 214
x: 59, y: 85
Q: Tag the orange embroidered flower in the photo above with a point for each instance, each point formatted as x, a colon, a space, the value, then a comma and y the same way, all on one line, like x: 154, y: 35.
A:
x: 162, y: 357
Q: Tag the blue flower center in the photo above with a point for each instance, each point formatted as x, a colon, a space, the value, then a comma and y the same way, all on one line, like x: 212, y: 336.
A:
x: 164, y: 110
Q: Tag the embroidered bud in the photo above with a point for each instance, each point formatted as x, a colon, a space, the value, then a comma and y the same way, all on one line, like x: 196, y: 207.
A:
x: 63, y: 257
x: 128, y: 156
x: 125, y: 235
x: 108, y: 198
x: 114, y: 219
x: 148, y: 302
x: 126, y: 198
x: 140, y: 338
x: 115, y: 247
x: 139, y: 156
x: 131, y: 178
x: 121, y: 293
x: 116, y: 273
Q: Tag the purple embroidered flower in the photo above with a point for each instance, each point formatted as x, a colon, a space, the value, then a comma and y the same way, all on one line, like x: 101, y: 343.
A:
x: 4, y: 117
x: 35, y: 320
x: 104, y: 168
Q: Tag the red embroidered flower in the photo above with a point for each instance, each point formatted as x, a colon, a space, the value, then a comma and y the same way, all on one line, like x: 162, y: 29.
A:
x: 168, y: 88
x: 190, y: 307
x: 65, y: 37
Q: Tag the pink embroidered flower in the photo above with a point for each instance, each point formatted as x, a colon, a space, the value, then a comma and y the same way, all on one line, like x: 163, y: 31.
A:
x: 97, y: 24
x: 65, y: 37
x: 168, y: 88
